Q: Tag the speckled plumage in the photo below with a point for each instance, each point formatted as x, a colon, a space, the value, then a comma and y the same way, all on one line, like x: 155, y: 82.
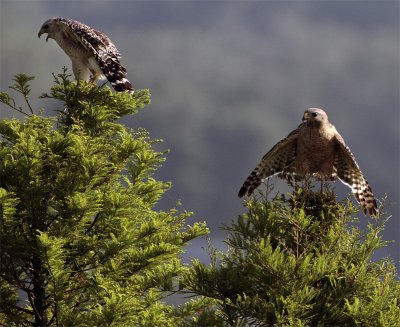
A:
x: 92, y: 53
x: 314, y: 149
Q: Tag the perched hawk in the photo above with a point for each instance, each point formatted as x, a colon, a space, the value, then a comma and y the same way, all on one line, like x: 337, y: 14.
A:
x: 92, y: 53
x: 315, y: 149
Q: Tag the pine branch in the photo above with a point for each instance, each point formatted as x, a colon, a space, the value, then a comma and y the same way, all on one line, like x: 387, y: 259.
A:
x: 90, y: 247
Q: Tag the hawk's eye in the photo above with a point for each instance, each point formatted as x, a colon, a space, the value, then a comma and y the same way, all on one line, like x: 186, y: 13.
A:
x: 314, y: 114
x: 46, y: 26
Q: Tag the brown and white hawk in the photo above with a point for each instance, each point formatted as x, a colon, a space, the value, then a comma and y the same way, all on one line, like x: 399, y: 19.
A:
x: 316, y: 149
x: 92, y: 53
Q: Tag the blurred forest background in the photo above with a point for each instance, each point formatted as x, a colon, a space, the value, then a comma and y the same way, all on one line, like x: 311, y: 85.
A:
x: 231, y: 78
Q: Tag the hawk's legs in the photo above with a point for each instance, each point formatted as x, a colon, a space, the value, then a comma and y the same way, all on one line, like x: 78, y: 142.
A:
x: 94, y: 77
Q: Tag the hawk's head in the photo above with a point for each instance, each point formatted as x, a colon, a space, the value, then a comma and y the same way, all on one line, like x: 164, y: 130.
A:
x: 315, y: 116
x: 51, y: 27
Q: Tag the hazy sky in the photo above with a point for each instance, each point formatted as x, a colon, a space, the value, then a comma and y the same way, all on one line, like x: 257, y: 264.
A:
x: 231, y: 78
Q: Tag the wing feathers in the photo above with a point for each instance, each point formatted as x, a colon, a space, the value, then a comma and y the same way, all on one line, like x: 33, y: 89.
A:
x: 348, y: 172
x: 274, y: 162
x: 104, y: 51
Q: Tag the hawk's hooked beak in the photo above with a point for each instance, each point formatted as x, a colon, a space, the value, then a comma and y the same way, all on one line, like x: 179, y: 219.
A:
x: 40, y: 34
x: 306, y: 115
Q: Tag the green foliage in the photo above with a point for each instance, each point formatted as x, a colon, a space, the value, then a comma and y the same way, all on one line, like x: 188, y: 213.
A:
x: 22, y: 86
x: 299, y: 261
x: 80, y: 239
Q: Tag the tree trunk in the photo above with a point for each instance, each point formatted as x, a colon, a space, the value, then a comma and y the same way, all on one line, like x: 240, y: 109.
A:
x: 39, y: 293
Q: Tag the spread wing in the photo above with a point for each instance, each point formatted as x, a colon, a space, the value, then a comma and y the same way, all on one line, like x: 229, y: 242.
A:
x: 349, y: 172
x: 275, y: 161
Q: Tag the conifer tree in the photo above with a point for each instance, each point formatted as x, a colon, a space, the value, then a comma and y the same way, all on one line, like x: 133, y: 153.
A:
x: 300, y: 260
x: 81, y: 243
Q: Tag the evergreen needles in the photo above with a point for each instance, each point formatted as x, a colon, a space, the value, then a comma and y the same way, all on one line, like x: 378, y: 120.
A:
x: 80, y: 241
x: 299, y: 261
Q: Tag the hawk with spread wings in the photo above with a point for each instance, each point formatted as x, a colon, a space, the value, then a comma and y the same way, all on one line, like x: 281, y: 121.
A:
x: 92, y: 53
x: 314, y: 149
